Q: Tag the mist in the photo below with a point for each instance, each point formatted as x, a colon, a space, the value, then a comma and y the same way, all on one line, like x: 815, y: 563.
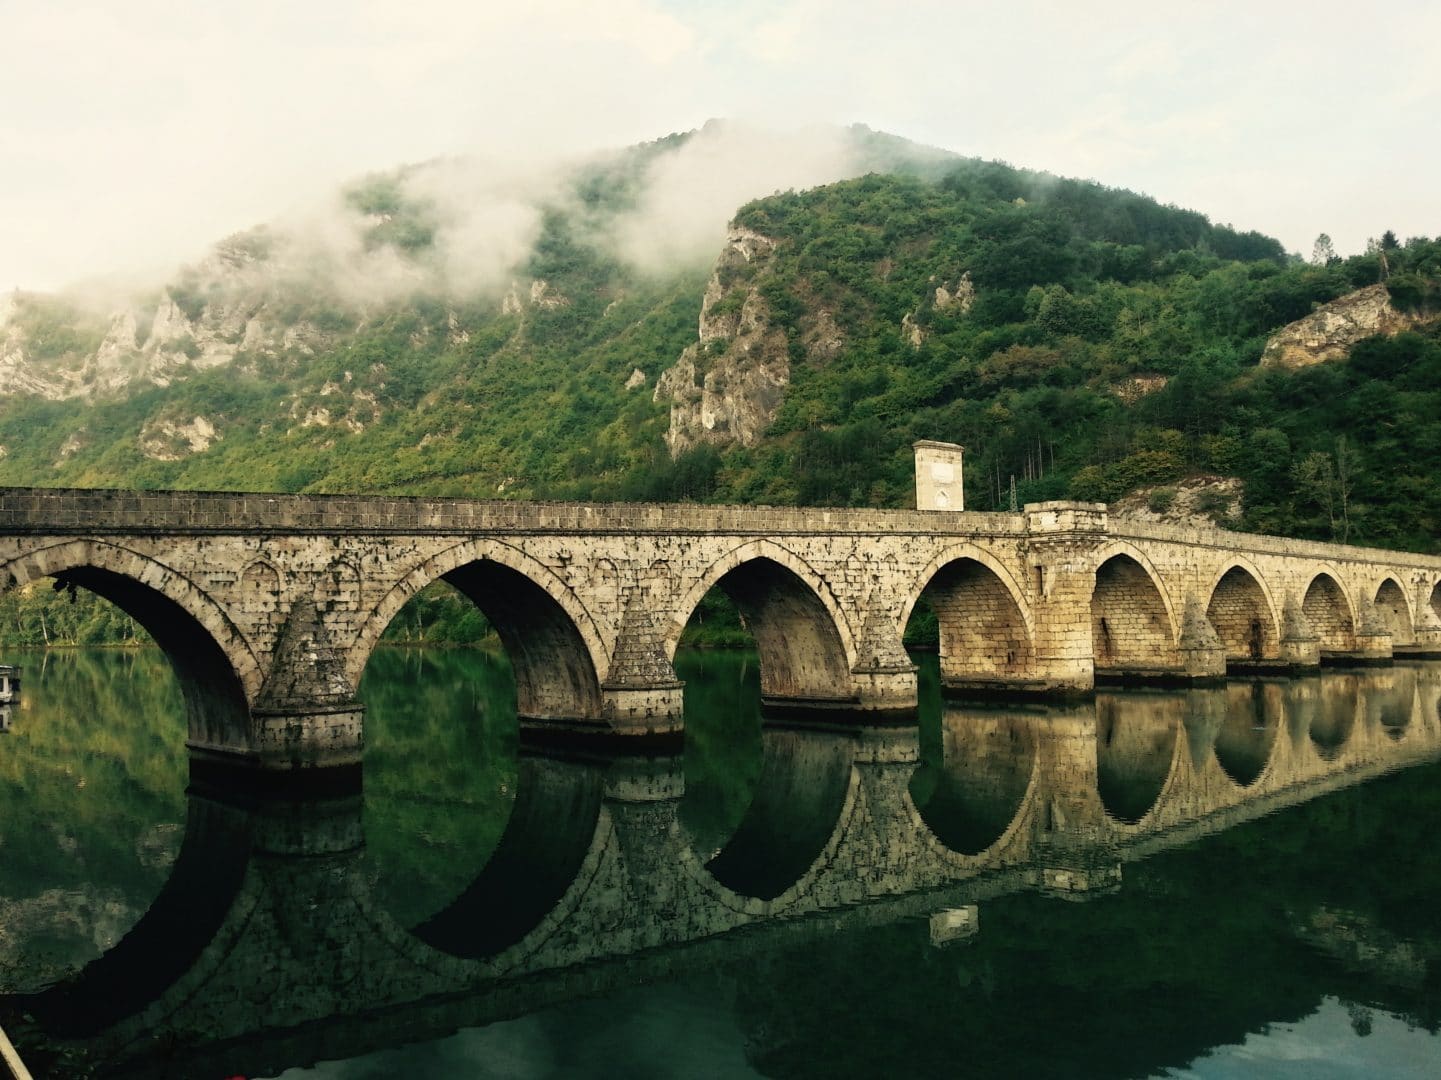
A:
x: 482, y: 216
x: 690, y: 196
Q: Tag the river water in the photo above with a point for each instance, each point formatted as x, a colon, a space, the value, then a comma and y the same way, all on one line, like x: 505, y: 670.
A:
x: 1231, y: 881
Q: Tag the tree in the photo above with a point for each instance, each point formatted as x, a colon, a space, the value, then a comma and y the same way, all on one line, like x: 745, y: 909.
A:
x: 1323, y: 252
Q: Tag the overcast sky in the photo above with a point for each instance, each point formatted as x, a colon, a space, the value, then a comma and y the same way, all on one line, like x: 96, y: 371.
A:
x: 135, y: 132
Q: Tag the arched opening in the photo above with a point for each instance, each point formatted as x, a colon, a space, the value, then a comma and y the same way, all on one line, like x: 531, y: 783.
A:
x: 1335, y: 718
x: 1130, y: 628
x: 1395, y: 613
x: 554, y: 675
x: 980, y: 632
x: 969, y: 797
x: 485, y: 589
x: 800, y: 655
x: 1243, y: 619
x: 469, y: 841
x: 1436, y: 601
x: 1247, y: 737
x: 1328, y: 613
x: 761, y: 798
x: 1135, y: 749
x: 103, y: 606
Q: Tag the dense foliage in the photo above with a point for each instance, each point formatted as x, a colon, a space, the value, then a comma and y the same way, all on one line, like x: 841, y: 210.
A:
x: 1112, y: 344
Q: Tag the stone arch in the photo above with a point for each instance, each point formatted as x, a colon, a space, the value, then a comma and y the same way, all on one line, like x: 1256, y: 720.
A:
x: 1328, y: 610
x: 984, y: 629
x: 554, y: 647
x: 1395, y: 612
x: 1435, y: 602
x: 218, y: 672
x: 1133, y: 625
x: 1243, y: 613
x: 806, y: 646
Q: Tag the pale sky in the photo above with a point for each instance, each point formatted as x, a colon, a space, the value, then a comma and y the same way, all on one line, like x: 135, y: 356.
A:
x: 133, y: 133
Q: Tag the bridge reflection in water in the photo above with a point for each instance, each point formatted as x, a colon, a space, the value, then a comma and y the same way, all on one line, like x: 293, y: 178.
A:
x: 268, y: 945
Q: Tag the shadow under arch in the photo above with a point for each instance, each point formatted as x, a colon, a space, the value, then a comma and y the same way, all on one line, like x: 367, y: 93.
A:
x: 1390, y: 602
x: 214, y: 666
x: 970, y: 798
x: 169, y: 939
x: 552, y: 644
x: 802, y: 642
x: 551, y: 831
x: 1136, y: 740
x: 1132, y: 625
x: 1244, y: 617
x: 1248, y: 735
x: 805, y: 778
x: 1334, y: 720
x: 982, y: 629
x: 1328, y: 610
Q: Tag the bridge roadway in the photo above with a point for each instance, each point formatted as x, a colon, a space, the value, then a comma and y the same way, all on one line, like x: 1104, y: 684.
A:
x: 268, y: 947
x: 270, y: 605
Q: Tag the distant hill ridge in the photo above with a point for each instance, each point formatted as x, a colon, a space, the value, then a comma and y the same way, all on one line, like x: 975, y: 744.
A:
x: 593, y: 331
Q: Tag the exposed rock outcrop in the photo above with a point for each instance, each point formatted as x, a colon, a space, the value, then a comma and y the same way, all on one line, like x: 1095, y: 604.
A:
x: 1198, y: 501
x: 950, y: 298
x: 1329, y: 332
x: 728, y: 385
x: 171, y: 440
x: 1133, y: 388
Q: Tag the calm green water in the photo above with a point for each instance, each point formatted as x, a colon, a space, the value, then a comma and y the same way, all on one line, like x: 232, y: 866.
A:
x: 1295, y: 931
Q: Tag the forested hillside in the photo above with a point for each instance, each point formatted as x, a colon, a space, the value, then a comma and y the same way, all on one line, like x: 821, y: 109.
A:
x: 1086, y: 341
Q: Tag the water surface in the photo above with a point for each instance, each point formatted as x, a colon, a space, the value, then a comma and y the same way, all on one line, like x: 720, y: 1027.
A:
x: 1235, y: 881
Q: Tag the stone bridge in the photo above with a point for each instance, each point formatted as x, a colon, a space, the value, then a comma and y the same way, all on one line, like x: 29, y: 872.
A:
x: 268, y: 946
x: 270, y: 605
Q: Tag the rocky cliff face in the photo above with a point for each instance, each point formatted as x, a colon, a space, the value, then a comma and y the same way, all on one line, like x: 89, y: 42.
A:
x: 727, y: 386
x: 231, y: 302
x: 1329, y: 332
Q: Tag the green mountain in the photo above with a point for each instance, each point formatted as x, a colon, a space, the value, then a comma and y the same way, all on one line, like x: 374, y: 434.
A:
x: 454, y: 329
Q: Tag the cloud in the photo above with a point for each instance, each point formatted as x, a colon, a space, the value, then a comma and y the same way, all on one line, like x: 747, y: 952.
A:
x: 484, y: 215
x: 690, y: 195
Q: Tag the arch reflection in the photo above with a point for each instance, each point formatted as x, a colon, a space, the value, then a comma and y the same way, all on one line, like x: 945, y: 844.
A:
x: 552, y: 825
x: 1247, y: 736
x: 1335, y: 719
x: 971, y: 795
x: 805, y: 775
x: 1135, y: 750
